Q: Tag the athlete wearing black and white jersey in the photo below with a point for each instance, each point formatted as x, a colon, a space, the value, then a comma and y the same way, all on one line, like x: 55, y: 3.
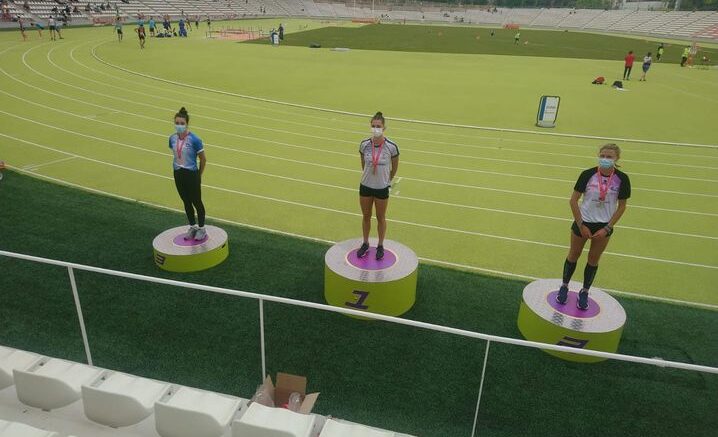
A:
x: 605, y: 191
x: 379, y: 162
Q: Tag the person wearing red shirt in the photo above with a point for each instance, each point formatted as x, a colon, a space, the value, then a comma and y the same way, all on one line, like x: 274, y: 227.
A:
x: 628, y: 66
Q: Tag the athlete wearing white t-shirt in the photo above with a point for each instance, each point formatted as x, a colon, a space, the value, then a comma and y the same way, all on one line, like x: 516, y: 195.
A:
x: 379, y: 162
x: 605, y: 192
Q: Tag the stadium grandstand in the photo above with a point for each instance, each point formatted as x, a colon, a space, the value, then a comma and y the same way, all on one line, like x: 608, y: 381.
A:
x: 645, y: 18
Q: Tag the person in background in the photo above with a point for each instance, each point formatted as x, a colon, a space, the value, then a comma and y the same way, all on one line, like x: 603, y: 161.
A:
x: 182, y: 29
x: 628, y: 65
x: 647, y: 61
x: 281, y: 31
x: 141, y: 34
x: 684, y: 57
x: 659, y: 52
x: 517, y: 37
x: 118, y: 28
x: 152, y: 25
x: 22, y: 28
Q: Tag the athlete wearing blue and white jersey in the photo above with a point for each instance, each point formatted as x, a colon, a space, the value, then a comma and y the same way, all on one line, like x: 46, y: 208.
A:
x: 605, y: 191
x: 379, y: 161
x: 187, y: 148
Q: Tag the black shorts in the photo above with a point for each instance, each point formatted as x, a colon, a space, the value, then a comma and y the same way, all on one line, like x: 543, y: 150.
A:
x: 593, y: 227
x: 382, y: 193
x: 119, y: 31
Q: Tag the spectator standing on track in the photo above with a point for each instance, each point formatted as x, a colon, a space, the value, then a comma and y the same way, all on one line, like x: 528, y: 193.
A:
x: 51, y: 27
x: 141, y: 34
x: 22, y: 28
x: 118, y: 28
x: 628, y: 65
x: 605, y: 192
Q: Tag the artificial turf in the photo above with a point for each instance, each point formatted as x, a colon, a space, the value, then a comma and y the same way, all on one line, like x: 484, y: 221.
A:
x: 407, y: 380
x: 478, y: 40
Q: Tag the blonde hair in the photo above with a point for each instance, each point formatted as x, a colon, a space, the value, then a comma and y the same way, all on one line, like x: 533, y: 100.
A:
x: 614, y: 147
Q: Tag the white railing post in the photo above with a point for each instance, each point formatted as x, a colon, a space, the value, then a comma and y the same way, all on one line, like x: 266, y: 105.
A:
x: 481, y: 388
x: 79, y: 315
x: 261, y: 338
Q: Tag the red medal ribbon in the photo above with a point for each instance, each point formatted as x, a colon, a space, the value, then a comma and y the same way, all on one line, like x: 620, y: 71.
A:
x: 180, y: 145
x: 375, y: 158
x: 603, y: 185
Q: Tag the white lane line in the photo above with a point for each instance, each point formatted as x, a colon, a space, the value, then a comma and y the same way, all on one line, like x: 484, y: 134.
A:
x: 320, y: 165
x: 400, y: 128
x: 406, y: 120
x: 354, y: 214
x: 322, y: 240
x: 33, y: 167
x: 335, y: 140
x: 503, y: 174
x: 394, y: 186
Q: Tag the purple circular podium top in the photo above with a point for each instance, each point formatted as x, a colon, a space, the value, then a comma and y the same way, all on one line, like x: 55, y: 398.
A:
x: 369, y: 262
x: 570, y: 309
x: 180, y: 241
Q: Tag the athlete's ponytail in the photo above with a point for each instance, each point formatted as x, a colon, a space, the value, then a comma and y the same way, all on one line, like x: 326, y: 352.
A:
x: 182, y: 113
x: 379, y: 116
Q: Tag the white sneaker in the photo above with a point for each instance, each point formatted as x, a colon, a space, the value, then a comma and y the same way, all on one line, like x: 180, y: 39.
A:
x: 191, y: 232
x: 200, y: 235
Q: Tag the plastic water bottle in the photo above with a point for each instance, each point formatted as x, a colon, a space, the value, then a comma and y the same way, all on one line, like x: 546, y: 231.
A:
x: 262, y: 397
x: 295, y: 400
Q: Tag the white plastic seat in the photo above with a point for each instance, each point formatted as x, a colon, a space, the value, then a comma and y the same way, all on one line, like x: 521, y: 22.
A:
x: 189, y: 412
x: 15, y: 429
x: 119, y: 400
x: 11, y: 359
x: 261, y: 421
x: 333, y: 428
x: 53, y: 383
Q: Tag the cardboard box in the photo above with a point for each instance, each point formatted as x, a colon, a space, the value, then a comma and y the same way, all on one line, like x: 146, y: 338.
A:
x: 286, y: 385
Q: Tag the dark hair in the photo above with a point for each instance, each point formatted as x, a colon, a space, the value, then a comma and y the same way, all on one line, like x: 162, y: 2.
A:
x: 379, y: 116
x: 630, y: 51
x: 182, y: 113
x: 649, y: 54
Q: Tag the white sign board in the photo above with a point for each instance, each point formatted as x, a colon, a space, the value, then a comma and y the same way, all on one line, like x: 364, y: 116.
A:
x: 547, y: 111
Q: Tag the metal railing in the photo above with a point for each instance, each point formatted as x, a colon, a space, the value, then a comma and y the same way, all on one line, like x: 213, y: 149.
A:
x: 261, y: 298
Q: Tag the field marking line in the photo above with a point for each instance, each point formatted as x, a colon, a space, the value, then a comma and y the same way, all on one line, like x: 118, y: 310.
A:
x: 273, y: 175
x: 407, y: 120
x: 354, y: 214
x: 492, y: 147
x: 322, y: 240
x: 33, y: 167
x: 290, y: 145
x: 320, y: 149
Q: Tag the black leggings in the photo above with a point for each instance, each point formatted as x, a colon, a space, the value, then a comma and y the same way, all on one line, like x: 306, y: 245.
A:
x: 188, y: 185
x: 627, y: 72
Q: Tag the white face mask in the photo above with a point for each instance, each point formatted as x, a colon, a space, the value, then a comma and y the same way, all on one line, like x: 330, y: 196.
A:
x: 377, y: 132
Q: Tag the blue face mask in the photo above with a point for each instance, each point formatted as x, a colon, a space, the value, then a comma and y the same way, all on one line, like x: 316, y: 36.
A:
x: 605, y: 162
x: 180, y: 128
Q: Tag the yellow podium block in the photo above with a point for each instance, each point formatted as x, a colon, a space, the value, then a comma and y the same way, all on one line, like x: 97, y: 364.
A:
x: 387, y: 286
x: 173, y: 253
x: 543, y: 319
